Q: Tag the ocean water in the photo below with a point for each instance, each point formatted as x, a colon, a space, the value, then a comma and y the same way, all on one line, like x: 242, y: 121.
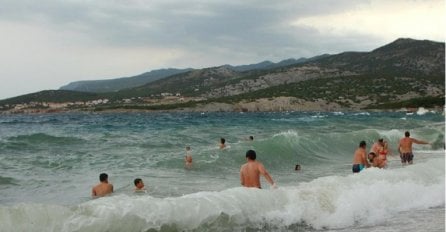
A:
x: 49, y: 163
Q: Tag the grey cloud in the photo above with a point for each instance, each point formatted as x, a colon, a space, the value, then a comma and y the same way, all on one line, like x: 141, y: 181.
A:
x: 253, y: 28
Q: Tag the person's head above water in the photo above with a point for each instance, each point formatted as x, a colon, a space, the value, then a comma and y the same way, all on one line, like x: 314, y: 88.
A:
x: 362, y: 144
x: 371, y: 156
x: 250, y: 154
x: 103, y: 177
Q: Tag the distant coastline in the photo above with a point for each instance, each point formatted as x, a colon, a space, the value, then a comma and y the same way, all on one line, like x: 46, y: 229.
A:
x: 279, y: 104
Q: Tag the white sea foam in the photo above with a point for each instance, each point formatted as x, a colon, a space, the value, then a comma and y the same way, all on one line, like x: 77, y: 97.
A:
x: 288, y: 133
x: 362, y: 113
x: 367, y: 198
x: 422, y: 111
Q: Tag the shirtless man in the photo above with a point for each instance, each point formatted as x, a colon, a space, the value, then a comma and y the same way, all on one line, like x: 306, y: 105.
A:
x: 102, y: 188
x: 359, y: 158
x: 251, y: 171
x: 188, y: 158
x: 222, y: 143
x: 405, y: 148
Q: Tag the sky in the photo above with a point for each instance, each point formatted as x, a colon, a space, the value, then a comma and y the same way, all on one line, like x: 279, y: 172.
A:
x: 46, y: 44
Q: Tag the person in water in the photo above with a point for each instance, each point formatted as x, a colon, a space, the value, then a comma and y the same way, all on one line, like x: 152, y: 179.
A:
x: 139, y: 185
x: 383, y: 152
x: 405, y: 148
x: 250, y: 172
x: 359, y: 158
x: 188, y: 158
x: 375, y: 161
x: 103, y: 188
x: 377, y: 146
x: 297, y: 167
x: 222, y: 143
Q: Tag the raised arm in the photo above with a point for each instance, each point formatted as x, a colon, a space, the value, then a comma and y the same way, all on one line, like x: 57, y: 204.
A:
x: 419, y: 141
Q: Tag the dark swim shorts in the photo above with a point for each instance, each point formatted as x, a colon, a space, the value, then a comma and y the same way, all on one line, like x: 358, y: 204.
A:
x: 406, y: 157
x: 357, y: 167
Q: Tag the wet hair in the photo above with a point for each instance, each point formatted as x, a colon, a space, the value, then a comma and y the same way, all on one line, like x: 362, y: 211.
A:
x: 188, y: 148
x: 251, y: 137
x: 103, y: 177
x: 222, y: 140
x: 250, y: 154
x: 381, y: 140
x: 362, y: 143
x: 407, y: 134
x: 137, y: 181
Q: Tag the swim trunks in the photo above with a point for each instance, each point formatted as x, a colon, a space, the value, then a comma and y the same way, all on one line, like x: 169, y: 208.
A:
x: 406, y: 157
x: 357, y: 168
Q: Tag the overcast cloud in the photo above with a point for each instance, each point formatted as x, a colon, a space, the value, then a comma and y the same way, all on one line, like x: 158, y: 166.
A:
x: 46, y: 44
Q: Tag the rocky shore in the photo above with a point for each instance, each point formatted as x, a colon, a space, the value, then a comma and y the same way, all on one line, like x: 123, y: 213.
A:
x: 278, y: 104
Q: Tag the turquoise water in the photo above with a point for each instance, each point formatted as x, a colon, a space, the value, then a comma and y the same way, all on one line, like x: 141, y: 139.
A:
x: 48, y: 164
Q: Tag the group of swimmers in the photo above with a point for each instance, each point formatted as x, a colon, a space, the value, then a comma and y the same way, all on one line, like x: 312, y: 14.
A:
x: 377, y: 157
x: 188, y: 156
x: 104, y: 187
x: 250, y: 173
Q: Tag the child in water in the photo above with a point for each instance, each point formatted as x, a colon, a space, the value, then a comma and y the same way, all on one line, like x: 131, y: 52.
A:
x: 139, y: 186
x: 188, y: 158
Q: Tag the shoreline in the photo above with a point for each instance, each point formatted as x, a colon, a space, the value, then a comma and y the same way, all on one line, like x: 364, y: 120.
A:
x: 279, y: 104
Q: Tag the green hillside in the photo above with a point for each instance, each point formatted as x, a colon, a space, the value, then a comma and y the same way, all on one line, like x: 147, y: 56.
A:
x: 404, y: 73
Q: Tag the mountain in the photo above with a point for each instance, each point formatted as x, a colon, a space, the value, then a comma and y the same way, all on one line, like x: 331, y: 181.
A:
x: 112, y: 85
x: 405, y: 72
x: 402, y: 58
x: 270, y: 65
x: 103, y: 86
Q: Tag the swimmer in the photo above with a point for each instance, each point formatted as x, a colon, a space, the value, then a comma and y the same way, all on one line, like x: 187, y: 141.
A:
x: 375, y: 160
x: 250, y: 172
x: 103, y: 188
x: 222, y: 143
x: 378, y: 145
x: 405, y: 148
x: 188, y: 158
x: 383, y: 152
x: 139, y: 186
x: 359, y: 158
x: 297, y: 168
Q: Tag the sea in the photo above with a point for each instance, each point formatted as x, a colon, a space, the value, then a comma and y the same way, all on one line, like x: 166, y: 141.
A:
x: 50, y: 162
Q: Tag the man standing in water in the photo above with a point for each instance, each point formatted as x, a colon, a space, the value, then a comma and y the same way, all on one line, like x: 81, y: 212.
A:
x: 359, y: 158
x: 405, y: 148
x: 251, y: 171
x: 102, y: 188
